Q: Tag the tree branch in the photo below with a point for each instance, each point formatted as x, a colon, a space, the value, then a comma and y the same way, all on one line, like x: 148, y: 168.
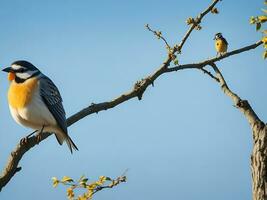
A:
x: 193, y: 26
x: 242, y: 105
x: 91, y: 187
x: 141, y: 86
x: 11, y: 167
x: 215, y: 59
x: 117, y: 181
x: 209, y: 74
x: 159, y: 35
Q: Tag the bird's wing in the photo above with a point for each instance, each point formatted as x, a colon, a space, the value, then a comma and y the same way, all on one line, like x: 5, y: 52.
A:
x: 53, y: 101
x: 224, y: 40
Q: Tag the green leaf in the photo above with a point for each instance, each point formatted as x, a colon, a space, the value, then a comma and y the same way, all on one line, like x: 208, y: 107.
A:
x: 258, y: 26
x: 252, y: 20
x: 262, y: 18
x: 82, y: 177
x: 84, y: 180
x: 83, y: 184
x: 66, y: 179
x: 55, y: 181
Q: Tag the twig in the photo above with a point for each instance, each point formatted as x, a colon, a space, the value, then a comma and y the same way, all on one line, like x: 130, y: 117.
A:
x: 159, y: 35
x: 117, y: 181
x: 242, y: 105
x: 91, y: 187
x: 192, y: 27
x: 210, y: 74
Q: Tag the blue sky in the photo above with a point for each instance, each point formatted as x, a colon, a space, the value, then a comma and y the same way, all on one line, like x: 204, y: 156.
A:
x: 184, y: 140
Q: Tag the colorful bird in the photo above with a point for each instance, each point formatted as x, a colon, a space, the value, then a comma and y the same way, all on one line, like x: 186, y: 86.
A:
x: 220, y: 44
x: 35, y: 102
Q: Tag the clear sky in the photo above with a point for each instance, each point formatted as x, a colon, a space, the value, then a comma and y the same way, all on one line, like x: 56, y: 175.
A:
x: 184, y: 140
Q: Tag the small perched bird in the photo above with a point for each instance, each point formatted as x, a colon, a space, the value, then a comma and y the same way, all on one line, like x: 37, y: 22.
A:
x: 35, y: 102
x: 220, y: 44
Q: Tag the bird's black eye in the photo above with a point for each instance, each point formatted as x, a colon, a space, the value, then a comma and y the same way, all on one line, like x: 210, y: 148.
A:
x: 21, y: 70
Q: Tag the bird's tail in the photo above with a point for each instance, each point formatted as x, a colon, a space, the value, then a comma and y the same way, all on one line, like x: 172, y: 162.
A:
x: 61, y: 137
x: 71, y: 144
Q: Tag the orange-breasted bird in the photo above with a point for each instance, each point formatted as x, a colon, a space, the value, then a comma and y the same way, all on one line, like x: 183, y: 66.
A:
x: 221, y: 44
x: 35, y: 102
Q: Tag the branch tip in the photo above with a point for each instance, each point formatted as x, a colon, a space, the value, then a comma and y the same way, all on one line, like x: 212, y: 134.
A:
x: 158, y: 34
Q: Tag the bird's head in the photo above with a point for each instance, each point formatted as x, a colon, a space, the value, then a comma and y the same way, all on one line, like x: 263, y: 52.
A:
x: 21, y: 70
x: 217, y: 36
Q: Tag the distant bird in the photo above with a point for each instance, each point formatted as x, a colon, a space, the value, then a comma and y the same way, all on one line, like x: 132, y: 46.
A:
x: 35, y: 102
x: 220, y: 44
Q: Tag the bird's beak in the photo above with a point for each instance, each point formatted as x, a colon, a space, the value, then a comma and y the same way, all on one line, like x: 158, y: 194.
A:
x: 11, y: 74
x: 8, y: 69
x: 214, y: 38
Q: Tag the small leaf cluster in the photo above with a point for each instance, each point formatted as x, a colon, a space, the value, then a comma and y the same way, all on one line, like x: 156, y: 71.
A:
x: 173, y: 53
x: 90, y: 187
x: 190, y: 21
x: 158, y: 34
x: 259, y: 21
x: 214, y: 11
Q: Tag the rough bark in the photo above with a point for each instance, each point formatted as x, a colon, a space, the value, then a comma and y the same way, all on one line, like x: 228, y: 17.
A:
x: 259, y: 162
x: 259, y: 152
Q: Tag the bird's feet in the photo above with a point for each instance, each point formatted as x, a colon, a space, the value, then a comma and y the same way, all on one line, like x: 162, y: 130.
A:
x: 25, y: 140
x: 38, y: 138
x: 39, y: 135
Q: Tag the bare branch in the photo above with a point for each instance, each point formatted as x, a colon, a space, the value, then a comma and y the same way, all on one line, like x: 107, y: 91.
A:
x: 144, y: 83
x: 215, y: 59
x: 242, y: 105
x: 11, y: 167
x: 210, y: 74
x: 234, y: 52
x: 159, y: 35
x: 197, y: 21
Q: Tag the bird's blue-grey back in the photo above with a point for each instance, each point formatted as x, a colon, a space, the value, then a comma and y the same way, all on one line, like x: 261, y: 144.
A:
x: 52, y: 98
